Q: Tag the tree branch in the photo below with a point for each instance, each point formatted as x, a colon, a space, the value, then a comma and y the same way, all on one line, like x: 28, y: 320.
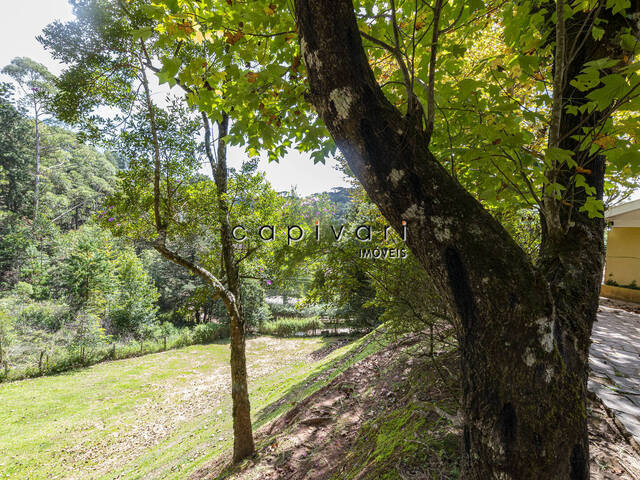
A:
x: 431, y: 106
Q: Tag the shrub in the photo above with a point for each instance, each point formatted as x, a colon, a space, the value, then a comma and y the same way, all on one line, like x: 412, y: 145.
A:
x: 147, y: 332
x: 167, y: 329
x: 289, y: 326
x: 45, y: 315
x: 209, y: 332
x: 633, y: 285
x: 301, y: 310
x: 278, y: 310
x: 254, y: 307
x: 87, y: 335
x: 135, y: 300
x: 6, y: 338
x: 23, y: 289
x: 184, y: 338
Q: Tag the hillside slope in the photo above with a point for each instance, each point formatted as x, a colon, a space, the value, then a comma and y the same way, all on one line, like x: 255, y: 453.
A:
x: 389, y: 416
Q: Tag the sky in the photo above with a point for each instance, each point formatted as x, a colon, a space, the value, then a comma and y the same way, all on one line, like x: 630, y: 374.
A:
x: 23, y: 20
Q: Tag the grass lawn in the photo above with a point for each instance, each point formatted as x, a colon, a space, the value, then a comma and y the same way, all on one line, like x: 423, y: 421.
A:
x: 157, y: 416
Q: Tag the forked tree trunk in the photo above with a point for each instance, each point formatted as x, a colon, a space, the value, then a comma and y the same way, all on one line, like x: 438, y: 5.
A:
x: 243, y: 434
x: 523, y: 332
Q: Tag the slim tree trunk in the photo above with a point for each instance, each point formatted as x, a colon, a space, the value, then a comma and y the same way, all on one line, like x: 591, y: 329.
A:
x: 243, y: 434
x: 243, y: 445
x: 523, y: 331
x: 37, y: 185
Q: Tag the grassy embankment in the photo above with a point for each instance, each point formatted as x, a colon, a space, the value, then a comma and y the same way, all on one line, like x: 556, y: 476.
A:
x: 158, y: 416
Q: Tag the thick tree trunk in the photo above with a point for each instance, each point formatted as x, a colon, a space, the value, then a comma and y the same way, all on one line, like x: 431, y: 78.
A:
x: 524, y: 380
x: 572, y: 251
x: 243, y: 445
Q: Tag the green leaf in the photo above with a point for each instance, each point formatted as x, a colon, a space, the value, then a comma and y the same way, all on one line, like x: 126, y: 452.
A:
x: 628, y: 42
x: 597, y: 32
x: 560, y: 156
x: 143, y: 33
x: 581, y: 181
x: 170, y: 67
x: 593, y: 207
x: 614, y: 86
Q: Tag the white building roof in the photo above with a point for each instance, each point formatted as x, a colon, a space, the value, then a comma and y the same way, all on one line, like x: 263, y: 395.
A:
x: 625, y: 215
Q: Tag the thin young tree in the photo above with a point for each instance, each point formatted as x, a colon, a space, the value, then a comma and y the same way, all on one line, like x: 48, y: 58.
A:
x: 37, y: 85
x: 114, y: 69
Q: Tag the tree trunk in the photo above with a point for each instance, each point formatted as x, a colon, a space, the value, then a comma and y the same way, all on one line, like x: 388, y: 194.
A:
x: 243, y: 435
x: 523, y: 332
x: 243, y: 445
x: 37, y: 185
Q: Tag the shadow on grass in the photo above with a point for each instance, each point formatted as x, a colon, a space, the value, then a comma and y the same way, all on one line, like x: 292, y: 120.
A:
x: 298, y: 393
x: 316, y: 380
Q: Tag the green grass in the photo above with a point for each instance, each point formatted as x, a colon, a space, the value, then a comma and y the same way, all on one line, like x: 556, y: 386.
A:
x: 158, y: 416
x: 23, y: 353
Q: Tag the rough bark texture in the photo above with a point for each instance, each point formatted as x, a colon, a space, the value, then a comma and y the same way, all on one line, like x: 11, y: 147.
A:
x: 523, y: 331
x: 572, y: 252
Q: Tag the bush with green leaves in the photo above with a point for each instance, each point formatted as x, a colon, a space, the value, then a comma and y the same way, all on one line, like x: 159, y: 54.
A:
x: 87, y: 334
x: 7, y: 335
x: 184, y: 337
x: 167, y: 330
x: 47, y: 315
x: 290, y: 326
x: 134, y: 301
x: 147, y: 332
x: 255, y: 308
x: 86, y: 274
x: 209, y: 332
x: 23, y: 290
